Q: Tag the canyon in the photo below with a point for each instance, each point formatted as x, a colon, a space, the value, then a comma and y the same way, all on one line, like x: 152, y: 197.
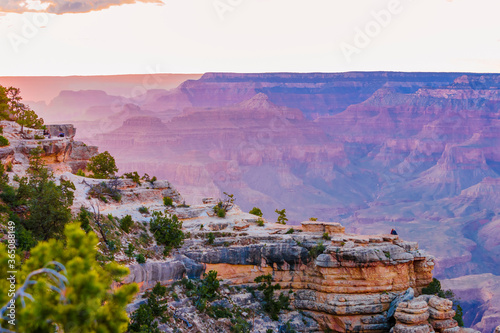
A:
x: 336, y: 281
x: 419, y: 152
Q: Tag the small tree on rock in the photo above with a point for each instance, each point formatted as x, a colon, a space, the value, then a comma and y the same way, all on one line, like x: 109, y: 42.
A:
x: 281, y: 216
x: 256, y: 211
x: 167, y: 231
x: 103, y: 165
x: 20, y: 112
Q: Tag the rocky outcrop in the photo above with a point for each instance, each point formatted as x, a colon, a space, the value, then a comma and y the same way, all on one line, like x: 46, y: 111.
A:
x: 426, y: 314
x: 328, y: 227
x: 148, y: 274
x: 412, y: 317
x: 68, y: 130
x: 61, y: 154
x: 347, y: 285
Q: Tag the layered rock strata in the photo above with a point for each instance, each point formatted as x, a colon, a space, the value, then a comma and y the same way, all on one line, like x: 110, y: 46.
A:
x: 345, y: 282
x: 60, y: 154
x: 426, y: 314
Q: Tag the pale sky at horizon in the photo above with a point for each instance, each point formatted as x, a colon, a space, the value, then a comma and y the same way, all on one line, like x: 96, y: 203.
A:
x: 191, y: 36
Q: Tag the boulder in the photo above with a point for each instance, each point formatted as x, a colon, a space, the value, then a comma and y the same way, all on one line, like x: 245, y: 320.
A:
x: 401, y: 328
x: 407, y: 296
x: 322, y: 227
x: 68, y: 129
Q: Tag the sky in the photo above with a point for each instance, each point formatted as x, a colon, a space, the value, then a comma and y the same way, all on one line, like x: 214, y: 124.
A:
x: 104, y: 37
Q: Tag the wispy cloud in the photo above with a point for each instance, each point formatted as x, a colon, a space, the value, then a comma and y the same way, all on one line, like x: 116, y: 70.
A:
x: 64, y: 6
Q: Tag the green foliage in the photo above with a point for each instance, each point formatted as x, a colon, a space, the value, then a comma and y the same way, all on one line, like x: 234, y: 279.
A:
x: 240, y: 325
x: 90, y: 305
x: 290, y: 231
x: 256, y: 211
x: 143, y: 319
x: 281, y: 216
x: 270, y: 305
x: 143, y: 210
x: 223, y: 206
x: 219, y: 209
x: 48, y: 204
x: 4, y: 104
x: 25, y: 239
x: 3, y: 141
x: 29, y: 119
x: 167, y: 231
x: 316, y: 250
x: 288, y: 328
x: 113, y: 246
x: 159, y: 290
x: 148, y: 179
x: 211, y: 238
x: 218, y: 311
x: 84, y: 217
x: 126, y: 223
x: 313, y: 219
x: 168, y: 201
x: 134, y: 176
x: 103, y: 191
x: 326, y: 236
x: 188, y: 284
x: 80, y: 173
x: 459, y: 313
x: 434, y: 288
x: 4, y: 178
x: 102, y: 165
x: 129, y: 252
x: 36, y: 161
x: 207, y: 290
x: 260, y: 222
x: 140, y: 258
x: 12, y: 108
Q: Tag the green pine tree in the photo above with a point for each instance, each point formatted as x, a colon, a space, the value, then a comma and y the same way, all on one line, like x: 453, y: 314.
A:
x: 88, y: 304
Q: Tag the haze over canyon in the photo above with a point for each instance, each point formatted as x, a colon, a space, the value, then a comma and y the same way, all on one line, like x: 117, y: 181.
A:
x: 419, y: 152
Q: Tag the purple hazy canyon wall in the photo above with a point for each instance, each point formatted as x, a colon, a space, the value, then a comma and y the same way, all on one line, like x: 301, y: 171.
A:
x: 419, y: 152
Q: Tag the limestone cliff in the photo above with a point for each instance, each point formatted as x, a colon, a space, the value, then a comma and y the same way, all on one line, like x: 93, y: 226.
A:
x: 61, y: 154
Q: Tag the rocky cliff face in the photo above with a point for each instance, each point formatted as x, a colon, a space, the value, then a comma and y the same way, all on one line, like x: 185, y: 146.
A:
x: 61, y: 154
x: 357, y: 283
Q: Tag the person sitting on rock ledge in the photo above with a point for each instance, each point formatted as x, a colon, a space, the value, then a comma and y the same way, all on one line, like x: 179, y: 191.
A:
x: 393, y: 232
